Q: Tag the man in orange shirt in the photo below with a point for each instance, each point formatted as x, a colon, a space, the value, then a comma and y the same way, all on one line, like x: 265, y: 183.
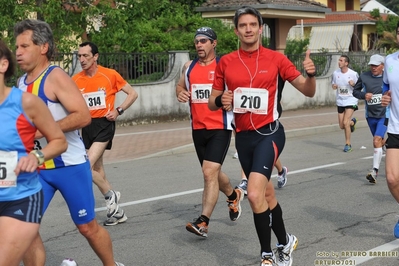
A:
x: 99, y: 85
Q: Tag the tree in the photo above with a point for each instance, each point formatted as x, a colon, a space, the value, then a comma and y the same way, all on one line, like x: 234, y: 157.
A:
x: 386, y: 30
x: 63, y: 23
x: 391, y: 4
x: 126, y: 26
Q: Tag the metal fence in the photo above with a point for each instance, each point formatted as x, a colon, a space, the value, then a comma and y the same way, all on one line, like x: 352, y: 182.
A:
x: 152, y: 67
x: 133, y: 67
x: 321, y: 61
x: 359, y: 61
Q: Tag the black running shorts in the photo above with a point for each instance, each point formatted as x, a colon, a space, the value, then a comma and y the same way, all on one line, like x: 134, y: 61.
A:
x: 100, y: 130
x: 259, y: 150
x: 211, y: 145
x: 392, y: 141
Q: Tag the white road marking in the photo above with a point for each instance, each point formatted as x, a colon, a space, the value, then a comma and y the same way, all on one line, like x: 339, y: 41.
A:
x: 358, y: 260
x: 185, y: 128
x: 155, y: 198
x: 151, y: 131
x: 201, y: 189
x: 385, y: 247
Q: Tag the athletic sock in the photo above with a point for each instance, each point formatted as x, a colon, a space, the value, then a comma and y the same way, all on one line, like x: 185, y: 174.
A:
x: 278, y: 225
x: 204, y: 218
x: 233, y: 195
x: 262, y: 226
x: 108, y: 194
x: 377, y: 157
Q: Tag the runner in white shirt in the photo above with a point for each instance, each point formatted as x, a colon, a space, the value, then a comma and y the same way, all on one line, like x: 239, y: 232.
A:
x: 343, y: 80
x: 390, y: 96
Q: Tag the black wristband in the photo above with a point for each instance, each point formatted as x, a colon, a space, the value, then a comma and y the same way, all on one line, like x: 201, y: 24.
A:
x: 311, y: 75
x: 218, y: 101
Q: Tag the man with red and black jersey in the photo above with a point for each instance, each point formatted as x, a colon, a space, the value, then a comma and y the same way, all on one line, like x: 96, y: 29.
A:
x: 211, y: 130
x: 254, y: 96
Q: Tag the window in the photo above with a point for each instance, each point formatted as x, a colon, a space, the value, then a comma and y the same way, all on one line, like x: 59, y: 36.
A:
x: 332, y: 4
x: 349, y: 5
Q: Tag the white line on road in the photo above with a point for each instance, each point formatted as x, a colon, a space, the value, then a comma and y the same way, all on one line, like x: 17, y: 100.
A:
x: 201, y: 189
x: 383, y: 248
x: 185, y: 128
x: 151, y: 131
x: 155, y: 198
x: 358, y: 260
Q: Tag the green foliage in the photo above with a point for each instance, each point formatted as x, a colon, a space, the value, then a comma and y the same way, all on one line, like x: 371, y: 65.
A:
x: 391, y: 4
x: 296, y: 46
x: 389, y: 24
x: 131, y: 26
x: 388, y: 42
x: 386, y: 29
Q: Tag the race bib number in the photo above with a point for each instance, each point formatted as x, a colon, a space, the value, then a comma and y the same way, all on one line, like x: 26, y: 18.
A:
x: 344, y: 91
x: 200, y: 93
x: 39, y: 144
x: 375, y: 99
x: 8, y: 162
x: 254, y: 100
x: 95, y: 100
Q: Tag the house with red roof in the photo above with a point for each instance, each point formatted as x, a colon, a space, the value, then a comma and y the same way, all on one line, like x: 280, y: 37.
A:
x: 345, y: 28
x: 332, y: 25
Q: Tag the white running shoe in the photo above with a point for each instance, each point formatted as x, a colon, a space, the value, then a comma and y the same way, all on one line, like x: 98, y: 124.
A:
x: 243, y: 186
x: 235, y: 156
x: 118, y: 218
x: 118, y: 264
x: 284, y: 253
x: 268, y: 259
x: 372, y: 177
x: 112, y: 203
x: 282, y: 179
x: 68, y: 262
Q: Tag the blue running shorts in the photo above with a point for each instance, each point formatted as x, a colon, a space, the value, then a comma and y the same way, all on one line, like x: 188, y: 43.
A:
x: 377, y: 126
x: 75, y: 185
x: 28, y: 209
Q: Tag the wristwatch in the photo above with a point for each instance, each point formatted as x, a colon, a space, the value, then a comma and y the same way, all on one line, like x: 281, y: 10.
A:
x: 39, y: 155
x: 120, y: 110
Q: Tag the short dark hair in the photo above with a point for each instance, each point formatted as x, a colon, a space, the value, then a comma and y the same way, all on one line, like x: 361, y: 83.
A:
x: 346, y: 58
x: 6, y: 53
x: 247, y: 10
x: 94, y: 48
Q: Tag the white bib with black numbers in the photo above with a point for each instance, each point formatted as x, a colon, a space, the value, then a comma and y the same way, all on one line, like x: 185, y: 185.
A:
x: 375, y: 99
x: 344, y: 91
x: 254, y: 100
x: 200, y: 93
x: 8, y: 163
x: 95, y: 100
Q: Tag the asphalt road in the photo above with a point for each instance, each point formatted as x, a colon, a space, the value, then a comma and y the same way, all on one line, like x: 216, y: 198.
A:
x: 327, y: 203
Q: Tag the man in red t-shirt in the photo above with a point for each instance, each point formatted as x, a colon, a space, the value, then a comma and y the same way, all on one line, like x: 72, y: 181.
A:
x: 211, y: 130
x: 99, y: 86
x: 254, y: 96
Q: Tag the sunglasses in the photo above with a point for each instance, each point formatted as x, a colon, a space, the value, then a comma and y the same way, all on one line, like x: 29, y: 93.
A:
x: 203, y: 41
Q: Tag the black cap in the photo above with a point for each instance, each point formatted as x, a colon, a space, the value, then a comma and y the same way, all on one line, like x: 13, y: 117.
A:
x: 206, y: 32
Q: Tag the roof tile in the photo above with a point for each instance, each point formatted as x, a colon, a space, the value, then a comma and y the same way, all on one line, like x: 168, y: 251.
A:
x: 229, y: 3
x: 342, y: 17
